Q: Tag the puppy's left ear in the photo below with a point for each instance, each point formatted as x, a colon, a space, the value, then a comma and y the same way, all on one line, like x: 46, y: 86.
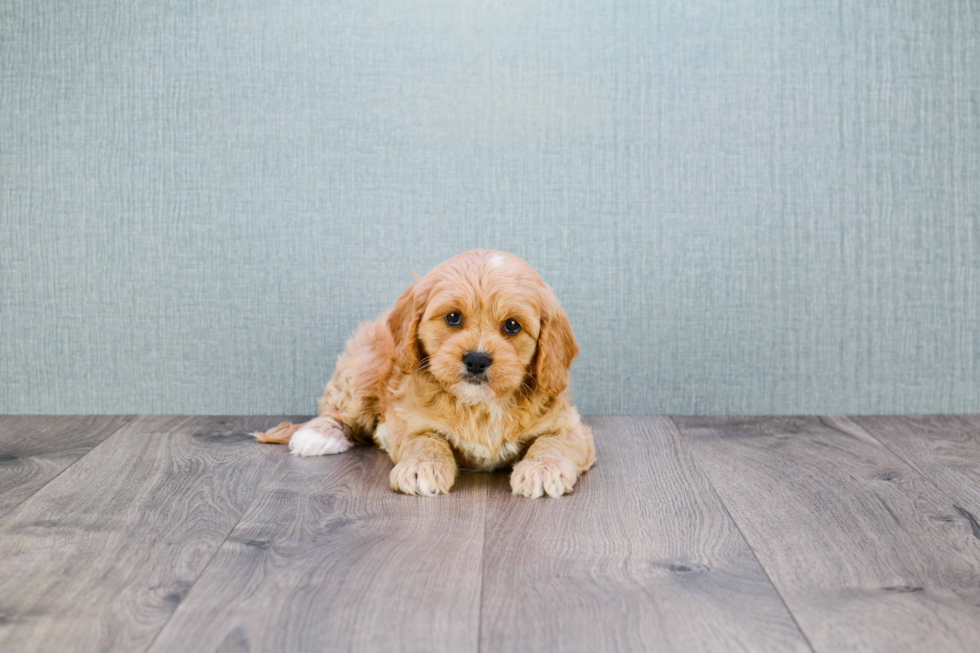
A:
x: 556, y: 351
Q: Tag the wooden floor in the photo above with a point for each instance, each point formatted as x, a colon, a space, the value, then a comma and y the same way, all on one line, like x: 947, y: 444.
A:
x: 690, y: 534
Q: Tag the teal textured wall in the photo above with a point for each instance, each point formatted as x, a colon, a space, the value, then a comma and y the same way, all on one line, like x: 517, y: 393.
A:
x: 746, y: 207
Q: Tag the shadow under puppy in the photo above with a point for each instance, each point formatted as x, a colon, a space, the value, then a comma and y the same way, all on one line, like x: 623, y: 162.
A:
x: 471, y: 367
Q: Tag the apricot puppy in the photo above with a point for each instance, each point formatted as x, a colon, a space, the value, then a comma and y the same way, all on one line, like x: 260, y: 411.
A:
x: 469, y: 368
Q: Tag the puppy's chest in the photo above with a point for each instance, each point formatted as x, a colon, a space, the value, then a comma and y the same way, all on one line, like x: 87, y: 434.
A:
x: 483, y: 438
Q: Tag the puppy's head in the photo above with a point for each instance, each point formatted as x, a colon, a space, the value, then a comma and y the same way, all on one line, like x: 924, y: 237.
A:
x: 485, y: 325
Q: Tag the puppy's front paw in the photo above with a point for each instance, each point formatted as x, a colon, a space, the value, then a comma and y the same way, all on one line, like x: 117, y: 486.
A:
x: 423, y: 476
x: 535, y: 477
x: 319, y: 441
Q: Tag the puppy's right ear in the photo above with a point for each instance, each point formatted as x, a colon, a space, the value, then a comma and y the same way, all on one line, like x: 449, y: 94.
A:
x: 403, y: 322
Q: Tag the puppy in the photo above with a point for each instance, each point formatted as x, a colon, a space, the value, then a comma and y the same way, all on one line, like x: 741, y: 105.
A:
x: 469, y: 368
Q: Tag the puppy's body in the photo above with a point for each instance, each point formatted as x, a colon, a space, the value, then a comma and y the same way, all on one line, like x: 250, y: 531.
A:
x: 410, y: 383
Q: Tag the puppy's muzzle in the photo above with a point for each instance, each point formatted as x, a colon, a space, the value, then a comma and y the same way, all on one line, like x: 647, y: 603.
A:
x: 476, y: 363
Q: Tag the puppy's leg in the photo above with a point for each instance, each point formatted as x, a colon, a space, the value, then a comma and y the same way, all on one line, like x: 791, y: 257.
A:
x: 319, y: 437
x: 349, y: 408
x: 553, y: 463
x: 424, y: 464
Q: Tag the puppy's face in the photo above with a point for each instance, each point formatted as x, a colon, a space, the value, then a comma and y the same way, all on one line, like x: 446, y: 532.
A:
x: 485, y: 326
x: 480, y: 338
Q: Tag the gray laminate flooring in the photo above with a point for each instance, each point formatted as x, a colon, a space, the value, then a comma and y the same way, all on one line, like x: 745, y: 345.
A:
x: 690, y: 534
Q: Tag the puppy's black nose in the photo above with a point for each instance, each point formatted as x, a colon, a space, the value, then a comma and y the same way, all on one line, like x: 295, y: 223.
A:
x: 476, y: 362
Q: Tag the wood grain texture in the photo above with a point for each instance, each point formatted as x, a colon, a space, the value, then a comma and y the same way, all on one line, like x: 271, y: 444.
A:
x: 100, y: 557
x: 867, y: 554
x: 642, y: 557
x: 330, y: 559
x: 943, y: 448
x: 34, y: 449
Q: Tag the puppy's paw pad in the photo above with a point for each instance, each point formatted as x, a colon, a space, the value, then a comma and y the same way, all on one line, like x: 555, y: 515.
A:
x: 423, y: 476
x: 313, y: 442
x: 535, y: 478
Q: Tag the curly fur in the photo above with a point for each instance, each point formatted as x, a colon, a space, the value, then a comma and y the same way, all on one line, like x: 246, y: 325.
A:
x: 402, y: 384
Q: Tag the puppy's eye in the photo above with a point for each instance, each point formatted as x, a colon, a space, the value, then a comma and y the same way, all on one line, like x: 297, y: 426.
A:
x: 454, y: 319
x: 511, y: 327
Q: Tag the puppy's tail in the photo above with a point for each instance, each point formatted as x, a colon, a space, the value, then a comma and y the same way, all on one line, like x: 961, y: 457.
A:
x: 278, y: 434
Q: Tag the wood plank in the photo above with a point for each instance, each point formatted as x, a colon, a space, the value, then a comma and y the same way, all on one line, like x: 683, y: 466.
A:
x: 867, y: 554
x: 36, y: 448
x: 101, y: 556
x: 641, y: 557
x: 330, y: 559
x: 943, y: 448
